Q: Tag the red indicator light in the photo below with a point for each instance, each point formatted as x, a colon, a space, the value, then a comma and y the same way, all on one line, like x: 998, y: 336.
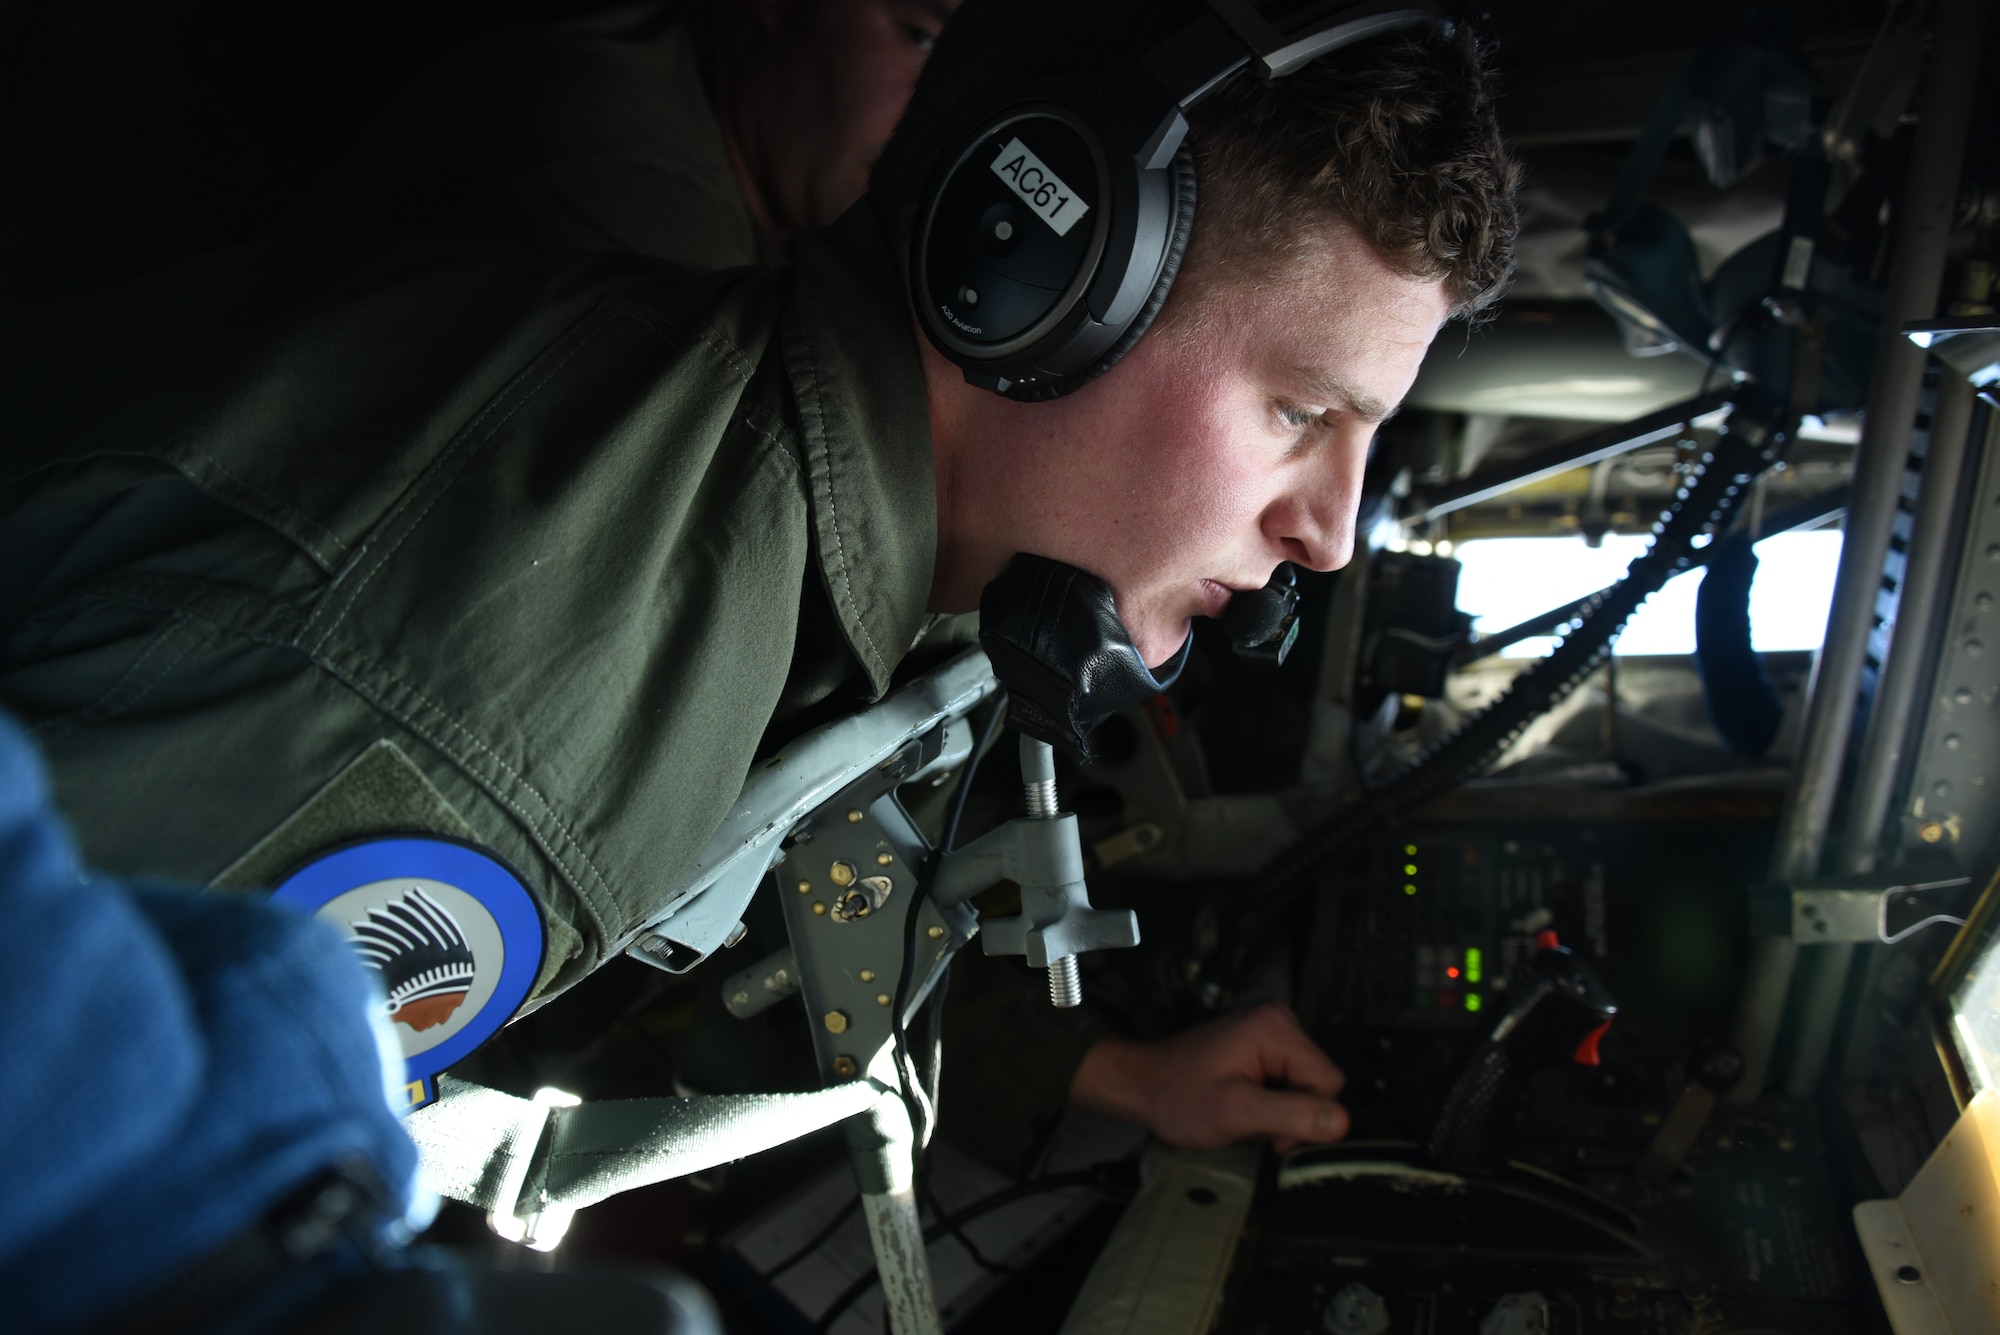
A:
x: 1546, y: 941
x: 1451, y: 972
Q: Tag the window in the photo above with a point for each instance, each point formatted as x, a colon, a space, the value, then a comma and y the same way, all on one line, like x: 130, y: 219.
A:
x: 1508, y: 580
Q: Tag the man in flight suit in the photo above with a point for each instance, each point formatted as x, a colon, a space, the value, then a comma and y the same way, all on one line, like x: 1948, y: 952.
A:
x: 361, y: 531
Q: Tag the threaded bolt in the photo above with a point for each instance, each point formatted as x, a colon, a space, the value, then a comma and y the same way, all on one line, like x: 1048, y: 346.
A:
x: 1065, y: 983
x: 1041, y: 800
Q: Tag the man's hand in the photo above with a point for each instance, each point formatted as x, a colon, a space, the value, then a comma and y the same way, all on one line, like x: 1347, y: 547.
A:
x: 1212, y: 1086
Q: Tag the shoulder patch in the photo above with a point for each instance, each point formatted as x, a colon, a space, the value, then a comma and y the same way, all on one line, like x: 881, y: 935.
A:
x: 450, y: 930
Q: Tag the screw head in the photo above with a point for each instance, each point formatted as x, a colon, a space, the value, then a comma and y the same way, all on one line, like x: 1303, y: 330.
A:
x: 882, y: 998
x: 935, y: 932
x: 1909, y: 1274
x: 884, y: 859
x: 836, y: 1022
x: 854, y: 816
x: 819, y: 909
x: 805, y: 887
x: 1930, y: 832
x: 845, y: 1066
x: 842, y: 873
x: 867, y: 975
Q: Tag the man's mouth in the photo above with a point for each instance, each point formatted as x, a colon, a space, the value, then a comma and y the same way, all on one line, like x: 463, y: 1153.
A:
x: 1213, y: 596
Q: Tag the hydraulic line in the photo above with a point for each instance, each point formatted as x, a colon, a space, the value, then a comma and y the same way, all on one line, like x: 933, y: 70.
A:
x: 1747, y: 442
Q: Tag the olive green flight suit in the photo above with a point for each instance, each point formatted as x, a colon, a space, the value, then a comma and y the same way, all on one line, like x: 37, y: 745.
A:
x: 369, y: 531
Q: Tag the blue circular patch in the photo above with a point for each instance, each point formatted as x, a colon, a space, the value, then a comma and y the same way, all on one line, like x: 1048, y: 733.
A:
x: 450, y: 931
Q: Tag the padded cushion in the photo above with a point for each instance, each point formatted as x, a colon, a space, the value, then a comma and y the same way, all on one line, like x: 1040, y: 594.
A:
x: 1177, y: 244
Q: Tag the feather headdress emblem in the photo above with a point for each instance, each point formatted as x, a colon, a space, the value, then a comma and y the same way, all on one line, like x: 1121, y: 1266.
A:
x: 421, y: 952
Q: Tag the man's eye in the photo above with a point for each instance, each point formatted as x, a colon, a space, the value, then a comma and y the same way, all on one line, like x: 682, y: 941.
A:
x: 1294, y: 416
x: 921, y: 38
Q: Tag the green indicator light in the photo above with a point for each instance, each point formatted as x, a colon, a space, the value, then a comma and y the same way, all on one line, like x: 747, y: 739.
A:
x: 1411, y: 849
x: 1472, y: 1002
x: 1473, y: 962
x: 1409, y: 889
x: 1410, y: 869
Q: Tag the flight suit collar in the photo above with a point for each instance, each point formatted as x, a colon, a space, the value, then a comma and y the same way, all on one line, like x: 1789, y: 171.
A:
x: 851, y: 356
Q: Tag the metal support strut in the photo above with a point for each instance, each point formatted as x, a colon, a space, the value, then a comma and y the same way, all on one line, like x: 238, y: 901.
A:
x: 1930, y: 196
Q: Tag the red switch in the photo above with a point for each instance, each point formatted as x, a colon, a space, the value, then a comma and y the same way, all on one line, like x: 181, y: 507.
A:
x: 1546, y: 941
x: 1586, y: 1051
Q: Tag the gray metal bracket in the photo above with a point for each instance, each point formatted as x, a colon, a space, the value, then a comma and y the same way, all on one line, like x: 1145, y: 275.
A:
x: 849, y: 874
x: 1044, y: 858
x: 785, y: 789
x: 1042, y: 854
x: 1830, y: 915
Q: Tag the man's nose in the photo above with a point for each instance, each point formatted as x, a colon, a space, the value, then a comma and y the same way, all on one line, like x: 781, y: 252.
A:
x: 1315, y: 523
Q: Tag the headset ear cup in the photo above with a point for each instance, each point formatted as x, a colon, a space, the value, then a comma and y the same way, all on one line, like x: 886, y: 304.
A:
x: 1170, y: 267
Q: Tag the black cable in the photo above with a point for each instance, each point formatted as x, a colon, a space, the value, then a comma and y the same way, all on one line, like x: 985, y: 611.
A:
x: 817, y: 1240
x: 1702, y: 505
x: 906, y: 1070
x: 952, y: 1226
x: 1112, y: 1177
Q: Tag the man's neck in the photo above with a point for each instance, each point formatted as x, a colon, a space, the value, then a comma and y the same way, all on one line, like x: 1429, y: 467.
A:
x: 958, y: 414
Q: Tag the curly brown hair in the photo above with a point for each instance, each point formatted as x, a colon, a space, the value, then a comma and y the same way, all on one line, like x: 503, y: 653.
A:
x: 1396, y: 137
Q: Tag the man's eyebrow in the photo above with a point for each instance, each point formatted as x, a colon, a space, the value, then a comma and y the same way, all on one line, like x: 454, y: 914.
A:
x: 937, y: 9
x: 1336, y: 391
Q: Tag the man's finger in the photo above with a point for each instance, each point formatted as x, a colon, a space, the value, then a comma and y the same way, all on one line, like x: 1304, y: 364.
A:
x: 1293, y: 1057
x: 1283, y: 1115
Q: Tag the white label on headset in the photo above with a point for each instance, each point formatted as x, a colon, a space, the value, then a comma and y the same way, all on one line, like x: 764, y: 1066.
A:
x: 1044, y: 191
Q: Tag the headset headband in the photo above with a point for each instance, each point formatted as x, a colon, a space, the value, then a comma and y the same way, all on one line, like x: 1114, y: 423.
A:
x: 1052, y: 229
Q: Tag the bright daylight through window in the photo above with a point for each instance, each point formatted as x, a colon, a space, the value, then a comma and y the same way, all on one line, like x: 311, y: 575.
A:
x: 1508, y: 580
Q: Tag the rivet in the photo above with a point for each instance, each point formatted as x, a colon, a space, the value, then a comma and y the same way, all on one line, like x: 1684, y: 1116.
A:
x: 1973, y: 648
x: 884, y: 859
x: 1909, y: 1274
x: 1942, y: 788
x: 1963, y: 695
x: 934, y: 932
x: 854, y: 816
x: 881, y: 998
x: 867, y: 975
x: 836, y: 1022
x: 845, y: 1066
x: 842, y: 873
x: 805, y: 887
x: 1952, y: 742
x: 819, y: 909
x: 1983, y: 601
x: 1930, y: 832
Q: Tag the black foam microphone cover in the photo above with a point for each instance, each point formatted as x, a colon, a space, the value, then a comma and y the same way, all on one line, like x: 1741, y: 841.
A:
x: 1263, y: 622
x: 1055, y: 641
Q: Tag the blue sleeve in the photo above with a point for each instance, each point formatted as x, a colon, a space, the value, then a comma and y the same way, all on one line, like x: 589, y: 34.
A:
x: 102, y: 1051
x: 178, y: 1062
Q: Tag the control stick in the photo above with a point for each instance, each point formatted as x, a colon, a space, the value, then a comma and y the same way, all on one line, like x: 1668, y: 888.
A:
x: 1563, y: 1012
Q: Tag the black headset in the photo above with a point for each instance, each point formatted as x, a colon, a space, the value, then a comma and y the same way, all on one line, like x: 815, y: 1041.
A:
x: 1051, y: 230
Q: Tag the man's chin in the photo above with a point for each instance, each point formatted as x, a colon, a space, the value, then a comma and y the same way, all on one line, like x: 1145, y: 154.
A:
x: 1159, y: 645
